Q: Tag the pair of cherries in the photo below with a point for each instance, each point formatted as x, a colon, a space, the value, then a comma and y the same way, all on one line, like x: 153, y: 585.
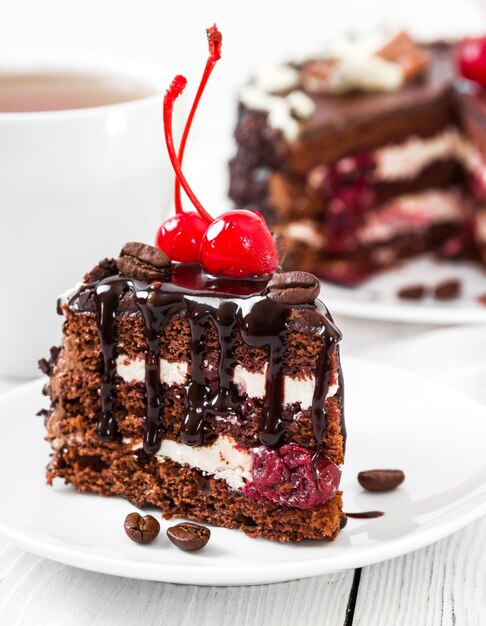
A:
x: 235, y: 244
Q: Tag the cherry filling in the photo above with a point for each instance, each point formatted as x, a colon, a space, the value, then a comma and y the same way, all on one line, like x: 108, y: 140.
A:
x: 235, y: 244
x: 347, y: 186
x: 287, y: 477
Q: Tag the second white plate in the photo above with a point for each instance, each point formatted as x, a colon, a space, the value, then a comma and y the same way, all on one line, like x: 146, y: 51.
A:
x: 377, y: 298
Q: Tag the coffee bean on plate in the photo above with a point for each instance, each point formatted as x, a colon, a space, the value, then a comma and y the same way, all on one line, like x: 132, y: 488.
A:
x: 447, y: 290
x: 381, y: 479
x: 412, y: 292
x: 189, y: 536
x: 141, y: 529
x: 139, y: 260
x: 293, y: 288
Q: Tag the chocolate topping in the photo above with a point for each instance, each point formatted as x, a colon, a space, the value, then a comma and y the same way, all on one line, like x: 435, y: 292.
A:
x: 231, y: 305
x: 47, y: 365
x: 365, y: 514
x: 401, y: 49
x: 294, y: 288
x: 106, y: 267
x: 139, y: 260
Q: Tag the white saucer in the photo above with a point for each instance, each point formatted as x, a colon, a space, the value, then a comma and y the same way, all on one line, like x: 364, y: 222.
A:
x: 395, y: 420
x: 377, y: 298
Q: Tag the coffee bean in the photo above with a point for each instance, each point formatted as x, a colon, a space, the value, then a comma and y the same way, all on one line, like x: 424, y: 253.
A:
x: 448, y: 290
x: 141, y: 529
x: 381, y: 479
x: 139, y: 260
x: 413, y: 292
x: 293, y: 288
x: 482, y: 299
x: 188, y: 536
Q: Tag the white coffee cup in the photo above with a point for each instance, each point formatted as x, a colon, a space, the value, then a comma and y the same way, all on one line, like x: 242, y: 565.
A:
x: 75, y: 185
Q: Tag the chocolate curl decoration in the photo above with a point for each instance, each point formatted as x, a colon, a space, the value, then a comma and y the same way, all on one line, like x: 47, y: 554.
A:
x: 215, y: 40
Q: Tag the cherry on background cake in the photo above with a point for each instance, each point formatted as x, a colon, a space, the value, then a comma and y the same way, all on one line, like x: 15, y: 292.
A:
x: 197, y: 377
x: 369, y: 154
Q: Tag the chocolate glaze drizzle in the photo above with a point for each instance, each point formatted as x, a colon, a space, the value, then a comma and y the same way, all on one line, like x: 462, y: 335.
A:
x: 231, y: 305
x: 365, y: 514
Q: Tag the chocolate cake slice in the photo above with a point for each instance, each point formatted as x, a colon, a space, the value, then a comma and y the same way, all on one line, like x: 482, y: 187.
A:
x: 215, y: 399
x: 362, y: 157
x: 199, y: 378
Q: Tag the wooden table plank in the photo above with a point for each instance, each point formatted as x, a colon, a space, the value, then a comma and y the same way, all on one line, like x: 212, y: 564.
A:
x: 442, y: 584
x: 37, y: 591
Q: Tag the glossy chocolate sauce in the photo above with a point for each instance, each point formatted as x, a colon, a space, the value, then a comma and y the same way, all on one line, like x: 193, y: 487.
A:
x: 232, y: 305
x: 365, y: 514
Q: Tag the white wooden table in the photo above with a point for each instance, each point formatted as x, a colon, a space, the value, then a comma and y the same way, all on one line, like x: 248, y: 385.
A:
x: 442, y: 584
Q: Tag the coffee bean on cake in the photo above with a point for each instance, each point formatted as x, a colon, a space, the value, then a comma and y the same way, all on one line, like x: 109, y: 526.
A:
x: 381, y: 479
x: 188, y: 536
x: 139, y: 260
x: 294, y: 288
x: 141, y: 529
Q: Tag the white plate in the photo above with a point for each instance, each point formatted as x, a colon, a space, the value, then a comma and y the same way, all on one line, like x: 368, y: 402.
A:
x: 451, y: 356
x: 395, y: 419
x: 377, y: 298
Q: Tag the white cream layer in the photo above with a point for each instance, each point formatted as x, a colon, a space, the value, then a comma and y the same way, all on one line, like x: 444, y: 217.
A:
x: 253, y: 384
x: 408, y: 159
x: 223, y: 459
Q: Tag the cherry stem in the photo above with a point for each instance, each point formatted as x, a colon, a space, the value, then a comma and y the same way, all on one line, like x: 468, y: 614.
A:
x: 214, y: 44
x: 174, y: 91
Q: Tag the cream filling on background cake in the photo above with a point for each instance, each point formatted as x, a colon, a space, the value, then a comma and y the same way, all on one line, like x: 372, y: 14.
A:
x: 408, y: 159
x: 411, y: 213
x: 251, y: 383
x: 403, y: 214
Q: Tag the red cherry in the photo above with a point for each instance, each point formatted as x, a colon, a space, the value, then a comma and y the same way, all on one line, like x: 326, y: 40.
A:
x: 180, y: 236
x: 471, y: 58
x: 238, y: 244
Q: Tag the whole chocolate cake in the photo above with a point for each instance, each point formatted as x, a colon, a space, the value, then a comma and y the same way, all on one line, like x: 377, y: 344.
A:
x: 197, y: 377
x: 371, y: 153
